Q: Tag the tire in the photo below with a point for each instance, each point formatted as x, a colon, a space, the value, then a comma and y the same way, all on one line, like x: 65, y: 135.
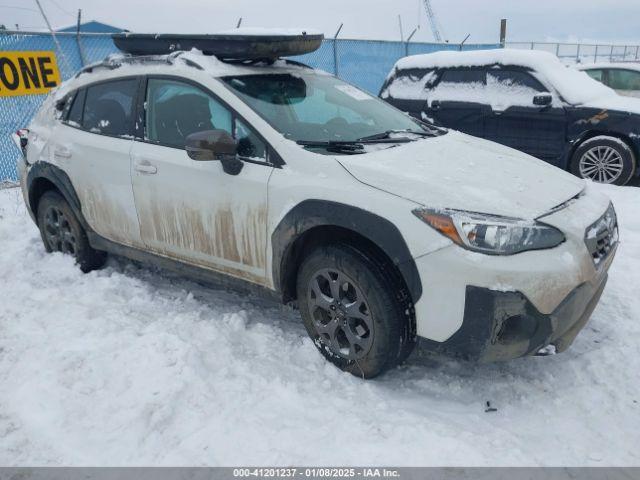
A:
x: 604, y: 159
x: 61, y: 232
x: 353, y: 311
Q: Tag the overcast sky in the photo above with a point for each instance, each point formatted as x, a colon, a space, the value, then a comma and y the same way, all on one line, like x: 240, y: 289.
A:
x: 560, y: 20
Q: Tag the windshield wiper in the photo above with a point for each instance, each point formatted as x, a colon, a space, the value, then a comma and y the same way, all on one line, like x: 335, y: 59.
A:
x: 387, y: 135
x: 339, y: 146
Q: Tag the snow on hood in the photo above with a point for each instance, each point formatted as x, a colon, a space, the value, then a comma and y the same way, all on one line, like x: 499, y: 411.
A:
x: 576, y: 87
x: 466, y: 173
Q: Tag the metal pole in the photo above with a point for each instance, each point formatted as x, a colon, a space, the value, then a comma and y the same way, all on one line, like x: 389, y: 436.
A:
x: 595, y: 58
x: 463, y: 41
x: 400, y: 25
x: 503, y: 32
x: 335, y: 50
x: 557, y: 49
x: 637, y: 48
x: 578, y: 53
x: 83, y: 59
x: 55, y: 39
x: 239, y: 22
x: 406, y: 45
x: 611, y: 54
x: 625, y: 53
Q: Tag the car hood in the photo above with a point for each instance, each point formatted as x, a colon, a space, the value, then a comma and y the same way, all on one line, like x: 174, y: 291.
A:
x: 466, y: 173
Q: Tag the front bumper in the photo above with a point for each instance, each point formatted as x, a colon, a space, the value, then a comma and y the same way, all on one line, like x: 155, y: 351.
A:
x: 490, y: 308
x: 505, y: 325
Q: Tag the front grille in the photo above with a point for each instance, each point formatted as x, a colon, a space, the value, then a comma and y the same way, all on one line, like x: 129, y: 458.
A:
x: 602, y: 236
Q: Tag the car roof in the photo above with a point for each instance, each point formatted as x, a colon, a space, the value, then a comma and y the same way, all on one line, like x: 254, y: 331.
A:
x: 574, y: 86
x: 600, y: 66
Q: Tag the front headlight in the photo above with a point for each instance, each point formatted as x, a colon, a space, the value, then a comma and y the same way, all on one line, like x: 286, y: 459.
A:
x: 491, y: 234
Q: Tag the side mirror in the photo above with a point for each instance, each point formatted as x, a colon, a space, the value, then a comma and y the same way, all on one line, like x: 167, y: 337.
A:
x: 543, y: 100
x: 211, y: 145
x: 218, y: 145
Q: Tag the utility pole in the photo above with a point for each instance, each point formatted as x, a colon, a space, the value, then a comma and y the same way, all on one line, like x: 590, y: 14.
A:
x: 503, y: 32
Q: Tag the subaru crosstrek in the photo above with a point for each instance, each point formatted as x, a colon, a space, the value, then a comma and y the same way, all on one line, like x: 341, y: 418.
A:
x: 379, y: 227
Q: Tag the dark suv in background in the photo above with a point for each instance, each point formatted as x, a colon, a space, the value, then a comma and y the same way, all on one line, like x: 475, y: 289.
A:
x: 526, y: 100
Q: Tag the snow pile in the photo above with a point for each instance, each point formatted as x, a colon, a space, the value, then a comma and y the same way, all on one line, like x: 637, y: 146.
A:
x: 575, y: 87
x: 134, y: 366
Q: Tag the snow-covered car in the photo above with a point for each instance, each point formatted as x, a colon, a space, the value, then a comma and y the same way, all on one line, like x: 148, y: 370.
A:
x: 624, y: 78
x: 526, y: 100
x: 274, y: 177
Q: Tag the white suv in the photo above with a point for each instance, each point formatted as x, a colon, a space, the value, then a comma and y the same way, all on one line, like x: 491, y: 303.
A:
x: 379, y: 227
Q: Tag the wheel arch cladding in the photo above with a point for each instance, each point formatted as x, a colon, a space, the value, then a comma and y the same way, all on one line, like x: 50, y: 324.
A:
x: 43, y: 177
x: 315, y: 222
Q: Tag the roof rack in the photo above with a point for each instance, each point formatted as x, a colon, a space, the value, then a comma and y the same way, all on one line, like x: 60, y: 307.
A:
x: 116, y: 60
x: 225, y: 46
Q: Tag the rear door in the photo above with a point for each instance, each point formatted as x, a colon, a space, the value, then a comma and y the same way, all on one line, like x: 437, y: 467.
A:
x: 516, y: 122
x: 92, y: 145
x: 458, y: 101
x: 192, y: 210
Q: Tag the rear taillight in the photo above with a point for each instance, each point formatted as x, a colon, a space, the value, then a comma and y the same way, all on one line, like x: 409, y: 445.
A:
x: 23, y: 137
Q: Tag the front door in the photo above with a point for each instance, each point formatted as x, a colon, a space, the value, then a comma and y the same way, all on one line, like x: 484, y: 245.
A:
x: 458, y: 101
x: 516, y: 122
x: 192, y: 210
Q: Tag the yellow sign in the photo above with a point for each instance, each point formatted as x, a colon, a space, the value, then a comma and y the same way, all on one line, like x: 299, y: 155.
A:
x: 27, y: 73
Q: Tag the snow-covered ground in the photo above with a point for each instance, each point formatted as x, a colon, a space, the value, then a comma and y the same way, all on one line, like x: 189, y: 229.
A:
x: 134, y: 366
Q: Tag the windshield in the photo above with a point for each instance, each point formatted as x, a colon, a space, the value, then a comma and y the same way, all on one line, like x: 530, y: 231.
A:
x: 312, y: 108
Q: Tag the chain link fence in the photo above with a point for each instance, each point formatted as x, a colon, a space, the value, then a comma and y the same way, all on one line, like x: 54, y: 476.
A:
x: 364, y: 63
x: 584, y: 52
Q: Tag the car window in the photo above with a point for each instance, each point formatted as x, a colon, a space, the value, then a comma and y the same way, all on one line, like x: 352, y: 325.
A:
x: 249, y: 145
x: 467, y: 75
x: 624, y: 79
x: 596, y: 74
x: 175, y: 110
x: 515, y: 78
x: 408, y: 84
x: 109, y: 106
x: 74, y: 117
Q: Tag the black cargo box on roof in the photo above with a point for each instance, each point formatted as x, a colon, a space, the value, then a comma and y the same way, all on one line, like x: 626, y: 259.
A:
x: 224, y: 46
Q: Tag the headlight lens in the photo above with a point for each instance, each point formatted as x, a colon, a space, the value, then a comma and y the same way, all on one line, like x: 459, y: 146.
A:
x: 491, y: 234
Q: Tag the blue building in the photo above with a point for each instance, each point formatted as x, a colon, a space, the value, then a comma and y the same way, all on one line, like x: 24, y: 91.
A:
x: 92, y: 27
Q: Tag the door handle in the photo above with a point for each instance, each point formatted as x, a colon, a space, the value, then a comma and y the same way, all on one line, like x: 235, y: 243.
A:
x: 62, y: 152
x: 146, y: 167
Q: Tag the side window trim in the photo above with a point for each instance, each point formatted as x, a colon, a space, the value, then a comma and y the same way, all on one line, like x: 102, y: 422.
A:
x: 273, y: 158
x: 77, y: 95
